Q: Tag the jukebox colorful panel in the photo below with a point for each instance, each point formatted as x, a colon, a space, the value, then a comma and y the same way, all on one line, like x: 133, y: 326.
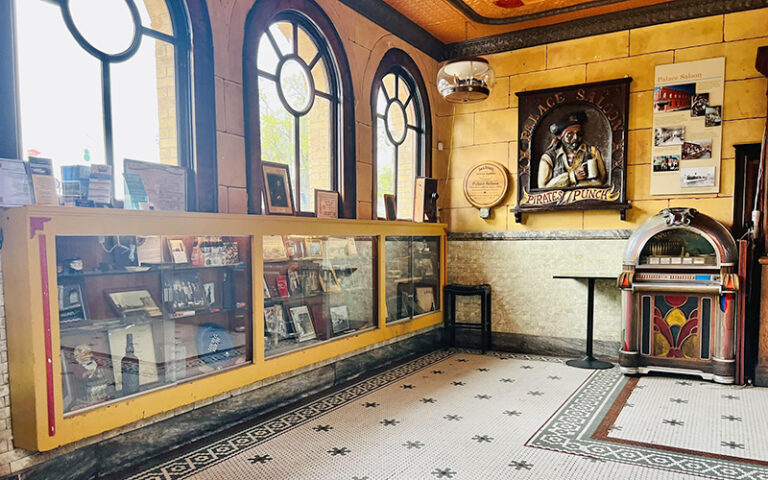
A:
x: 676, y: 326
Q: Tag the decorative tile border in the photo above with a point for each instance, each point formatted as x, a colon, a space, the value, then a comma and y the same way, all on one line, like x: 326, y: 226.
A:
x: 608, y: 422
x: 209, y: 455
x: 570, y: 430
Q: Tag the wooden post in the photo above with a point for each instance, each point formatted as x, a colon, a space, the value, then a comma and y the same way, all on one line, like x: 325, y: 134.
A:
x: 761, y: 370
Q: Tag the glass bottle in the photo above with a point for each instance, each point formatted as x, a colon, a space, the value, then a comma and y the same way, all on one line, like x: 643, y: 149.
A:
x: 129, y: 368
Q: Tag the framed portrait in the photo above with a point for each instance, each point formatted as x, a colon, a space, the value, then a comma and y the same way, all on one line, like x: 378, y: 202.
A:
x: 72, y: 305
x: 314, y: 247
x: 275, y: 324
x: 340, y: 319
x: 273, y: 248
x: 572, y: 145
x: 302, y: 323
x: 178, y: 250
x: 424, y: 300
x: 134, y: 302
x: 390, y: 206
x: 278, y: 196
x: 327, y: 203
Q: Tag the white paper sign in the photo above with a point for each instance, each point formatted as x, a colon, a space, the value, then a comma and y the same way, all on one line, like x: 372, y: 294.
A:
x: 15, y: 185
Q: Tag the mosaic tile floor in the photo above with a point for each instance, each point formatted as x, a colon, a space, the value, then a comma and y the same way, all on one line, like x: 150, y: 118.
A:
x: 460, y: 415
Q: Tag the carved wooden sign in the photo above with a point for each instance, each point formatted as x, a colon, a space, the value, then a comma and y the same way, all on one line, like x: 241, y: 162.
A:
x: 572, y: 148
x: 486, y: 184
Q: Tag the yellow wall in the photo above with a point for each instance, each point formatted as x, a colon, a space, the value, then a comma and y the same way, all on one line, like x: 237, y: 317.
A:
x: 488, y: 130
x: 365, y: 44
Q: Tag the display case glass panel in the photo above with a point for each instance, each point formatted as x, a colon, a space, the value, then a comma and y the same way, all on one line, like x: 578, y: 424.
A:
x: 141, y: 312
x: 678, y: 247
x: 317, y: 288
x: 412, y: 276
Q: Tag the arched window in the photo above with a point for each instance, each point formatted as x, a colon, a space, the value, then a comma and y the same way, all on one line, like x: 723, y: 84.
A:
x: 100, y: 81
x: 297, y: 103
x: 402, y: 132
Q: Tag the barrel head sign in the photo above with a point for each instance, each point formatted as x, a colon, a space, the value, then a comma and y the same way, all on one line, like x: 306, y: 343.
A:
x: 572, y: 148
x: 486, y: 184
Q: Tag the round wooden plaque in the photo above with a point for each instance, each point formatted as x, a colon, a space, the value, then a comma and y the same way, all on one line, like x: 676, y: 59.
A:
x: 486, y: 184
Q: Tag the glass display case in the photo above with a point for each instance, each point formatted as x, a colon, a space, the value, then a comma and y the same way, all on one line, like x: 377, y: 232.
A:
x: 317, y: 288
x: 412, y: 276
x: 116, y: 316
x: 141, y: 312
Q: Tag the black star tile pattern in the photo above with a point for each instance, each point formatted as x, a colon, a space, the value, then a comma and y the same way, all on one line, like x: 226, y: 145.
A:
x: 522, y: 465
x: 339, y: 451
x: 443, y: 473
x: 419, y: 441
x: 673, y: 422
x: 260, y: 459
x: 413, y: 444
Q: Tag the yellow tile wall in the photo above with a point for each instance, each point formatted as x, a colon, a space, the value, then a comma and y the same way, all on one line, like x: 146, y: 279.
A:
x: 481, y: 132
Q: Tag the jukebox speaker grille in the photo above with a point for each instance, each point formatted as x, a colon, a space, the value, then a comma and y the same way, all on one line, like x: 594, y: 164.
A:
x: 646, y: 326
x: 706, y: 313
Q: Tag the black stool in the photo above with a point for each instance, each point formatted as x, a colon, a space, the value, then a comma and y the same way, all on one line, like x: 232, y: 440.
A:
x: 450, y: 292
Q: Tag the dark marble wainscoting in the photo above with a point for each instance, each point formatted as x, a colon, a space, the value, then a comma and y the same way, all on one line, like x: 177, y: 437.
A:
x: 118, y: 455
x: 539, y: 345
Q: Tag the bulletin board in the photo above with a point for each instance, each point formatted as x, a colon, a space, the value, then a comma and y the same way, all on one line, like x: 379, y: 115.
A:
x: 687, y: 127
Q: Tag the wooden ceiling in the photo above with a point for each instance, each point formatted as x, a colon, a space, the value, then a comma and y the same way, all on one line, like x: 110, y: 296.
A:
x: 452, y: 21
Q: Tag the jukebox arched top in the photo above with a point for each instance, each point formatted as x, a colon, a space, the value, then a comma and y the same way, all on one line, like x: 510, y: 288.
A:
x: 681, y: 236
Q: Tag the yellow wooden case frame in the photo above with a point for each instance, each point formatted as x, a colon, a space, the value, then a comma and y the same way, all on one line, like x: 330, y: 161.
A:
x: 30, y: 232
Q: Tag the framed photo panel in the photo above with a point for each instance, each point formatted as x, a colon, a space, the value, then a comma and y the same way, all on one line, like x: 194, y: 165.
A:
x: 302, y: 323
x: 327, y: 204
x: 278, y: 196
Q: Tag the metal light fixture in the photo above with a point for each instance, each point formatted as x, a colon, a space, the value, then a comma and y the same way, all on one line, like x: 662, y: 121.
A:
x: 466, y: 80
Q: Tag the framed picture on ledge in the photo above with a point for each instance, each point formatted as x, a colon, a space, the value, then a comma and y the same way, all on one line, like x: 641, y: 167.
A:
x: 278, y: 196
x: 327, y: 204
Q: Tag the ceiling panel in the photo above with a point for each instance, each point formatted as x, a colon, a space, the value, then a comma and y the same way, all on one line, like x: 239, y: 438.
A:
x: 452, y: 21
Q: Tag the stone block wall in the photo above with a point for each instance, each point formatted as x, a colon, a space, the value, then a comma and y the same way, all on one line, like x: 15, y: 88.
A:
x: 488, y: 130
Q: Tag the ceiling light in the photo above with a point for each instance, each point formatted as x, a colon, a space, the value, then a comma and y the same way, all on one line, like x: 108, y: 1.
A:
x: 466, y: 80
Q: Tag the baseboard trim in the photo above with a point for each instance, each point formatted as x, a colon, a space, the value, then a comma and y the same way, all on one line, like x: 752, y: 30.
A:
x: 540, y: 345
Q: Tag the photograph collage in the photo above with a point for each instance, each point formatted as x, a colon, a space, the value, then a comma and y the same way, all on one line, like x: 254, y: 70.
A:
x: 687, y: 130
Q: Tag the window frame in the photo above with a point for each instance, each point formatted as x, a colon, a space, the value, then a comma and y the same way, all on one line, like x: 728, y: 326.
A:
x: 310, y: 16
x: 196, y: 139
x: 401, y: 64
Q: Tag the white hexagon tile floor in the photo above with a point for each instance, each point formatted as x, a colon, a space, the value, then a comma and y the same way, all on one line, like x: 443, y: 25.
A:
x: 460, y: 415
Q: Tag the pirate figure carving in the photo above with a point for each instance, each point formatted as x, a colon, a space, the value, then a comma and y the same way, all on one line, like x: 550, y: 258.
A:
x: 568, y: 161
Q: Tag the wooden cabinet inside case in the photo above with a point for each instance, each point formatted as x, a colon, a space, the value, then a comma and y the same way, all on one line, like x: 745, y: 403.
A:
x: 679, y: 297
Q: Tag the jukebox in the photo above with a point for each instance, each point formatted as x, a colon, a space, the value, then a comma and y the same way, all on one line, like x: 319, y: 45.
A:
x: 679, y: 286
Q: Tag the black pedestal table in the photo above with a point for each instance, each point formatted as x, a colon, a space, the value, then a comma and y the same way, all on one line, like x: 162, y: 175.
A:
x: 588, y: 361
